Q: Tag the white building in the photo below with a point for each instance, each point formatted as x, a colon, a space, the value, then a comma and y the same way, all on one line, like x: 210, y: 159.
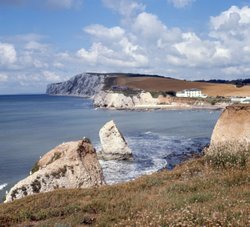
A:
x: 191, y: 93
x: 240, y: 100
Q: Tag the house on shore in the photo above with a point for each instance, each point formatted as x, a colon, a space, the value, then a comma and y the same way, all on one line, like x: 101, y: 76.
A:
x: 242, y: 100
x: 190, y: 93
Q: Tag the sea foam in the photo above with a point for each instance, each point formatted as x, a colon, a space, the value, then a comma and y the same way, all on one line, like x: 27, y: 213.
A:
x: 150, y: 151
x: 2, y: 186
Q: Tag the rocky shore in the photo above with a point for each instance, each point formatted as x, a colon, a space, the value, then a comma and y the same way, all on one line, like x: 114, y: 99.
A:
x: 73, y: 165
x: 145, y: 101
x: 105, y: 93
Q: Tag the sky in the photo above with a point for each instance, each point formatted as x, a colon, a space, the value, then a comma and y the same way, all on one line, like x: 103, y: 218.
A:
x: 47, y: 41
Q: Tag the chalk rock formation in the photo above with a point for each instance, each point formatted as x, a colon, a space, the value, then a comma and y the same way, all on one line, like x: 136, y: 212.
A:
x: 120, y: 101
x: 114, y: 146
x: 232, y: 129
x: 113, y: 100
x: 144, y: 98
x: 69, y: 165
x: 85, y: 85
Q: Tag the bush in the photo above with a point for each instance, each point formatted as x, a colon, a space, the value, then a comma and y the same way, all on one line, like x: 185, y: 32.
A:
x: 156, y: 94
x: 35, y: 168
x: 228, y: 156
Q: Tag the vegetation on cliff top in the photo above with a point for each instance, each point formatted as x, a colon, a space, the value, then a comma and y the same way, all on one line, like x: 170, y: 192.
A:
x: 193, y: 194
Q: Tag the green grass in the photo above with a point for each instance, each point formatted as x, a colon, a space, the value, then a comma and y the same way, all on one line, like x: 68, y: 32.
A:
x: 193, y: 194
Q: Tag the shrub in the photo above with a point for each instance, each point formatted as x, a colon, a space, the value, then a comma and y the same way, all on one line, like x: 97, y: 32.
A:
x: 156, y: 94
x: 228, y: 156
x: 35, y: 168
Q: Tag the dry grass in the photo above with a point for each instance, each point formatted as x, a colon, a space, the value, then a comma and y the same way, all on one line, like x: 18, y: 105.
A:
x: 166, y: 84
x: 193, y: 194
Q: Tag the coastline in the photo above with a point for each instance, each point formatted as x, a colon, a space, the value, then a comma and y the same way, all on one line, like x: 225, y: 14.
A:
x: 149, y: 107
x: 163, y: 107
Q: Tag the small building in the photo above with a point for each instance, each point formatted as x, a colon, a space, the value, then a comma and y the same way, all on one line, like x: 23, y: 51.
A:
x: 246, y: 101
x: 190, y: 93
x: 240, y: 100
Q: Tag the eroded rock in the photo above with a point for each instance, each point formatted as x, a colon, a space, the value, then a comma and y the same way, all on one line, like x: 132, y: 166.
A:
x: 232, y: 130
x: 114, y: 145
x: 69, y: 165
x: 113, y: 100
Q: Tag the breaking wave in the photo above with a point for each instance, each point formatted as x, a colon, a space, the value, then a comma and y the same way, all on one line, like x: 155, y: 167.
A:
x: 151, y: 153
x: 2, y: 186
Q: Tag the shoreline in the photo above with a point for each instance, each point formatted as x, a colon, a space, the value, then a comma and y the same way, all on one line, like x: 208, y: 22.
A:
x: 151, y: 107
x: 163, y: 107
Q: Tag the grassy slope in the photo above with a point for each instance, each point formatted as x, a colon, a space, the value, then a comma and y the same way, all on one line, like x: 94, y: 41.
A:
x: 193, y: 194
x: 168, y: 84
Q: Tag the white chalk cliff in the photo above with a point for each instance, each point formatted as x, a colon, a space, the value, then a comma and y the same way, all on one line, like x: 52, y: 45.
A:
x: 114, y: 145
x: 69, y: 165
x: 114, y: 100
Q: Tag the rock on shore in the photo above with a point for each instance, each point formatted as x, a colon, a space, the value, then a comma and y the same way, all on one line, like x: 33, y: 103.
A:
x: 108, y: 99
x: 114, y: 145
x: 232, y: 130
x: 69, y: 165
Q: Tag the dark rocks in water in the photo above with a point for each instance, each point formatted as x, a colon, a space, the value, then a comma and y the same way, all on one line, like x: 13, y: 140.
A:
x: 174, y: 159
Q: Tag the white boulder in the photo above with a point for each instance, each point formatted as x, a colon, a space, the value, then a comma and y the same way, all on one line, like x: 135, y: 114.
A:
x: 114, y: 145
x: 69, y: 165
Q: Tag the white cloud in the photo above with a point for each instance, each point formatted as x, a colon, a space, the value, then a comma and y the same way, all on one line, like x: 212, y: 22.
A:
x: 231, y: 19
x: 51, y: 76
x: 3, y: 77
x: 232, y: 30
x: 231, y: 25
x: 181, y: 3
x: 123, y: 54
x: 148, y: 26
x: 145, y: 44
x: 100, y: 31
x: 148, y: 44
x: 236, y: 70
x: 126, y: 8
x: 36, y: 46
x: 8, y: 54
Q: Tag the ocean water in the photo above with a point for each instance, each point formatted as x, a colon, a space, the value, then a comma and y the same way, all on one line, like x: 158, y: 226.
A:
x: 31, y: 125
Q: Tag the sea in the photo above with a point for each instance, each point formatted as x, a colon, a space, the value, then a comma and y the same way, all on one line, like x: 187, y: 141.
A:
x: 31, y: 125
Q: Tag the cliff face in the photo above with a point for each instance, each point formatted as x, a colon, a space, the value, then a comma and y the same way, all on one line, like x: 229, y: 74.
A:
x: 232, y: 128
x: 85, y: 85
x: 69, y: 165
x: 120, y: 101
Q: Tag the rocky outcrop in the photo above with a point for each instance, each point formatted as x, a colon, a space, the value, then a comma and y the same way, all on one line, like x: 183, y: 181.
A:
x: 114, y: 145
x: 232, y: 130
x: 85, y: 85
x: 108, y: 99
x: 69, y: 165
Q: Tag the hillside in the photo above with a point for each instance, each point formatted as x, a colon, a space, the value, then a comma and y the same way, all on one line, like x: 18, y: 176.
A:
x: 169, y: 84
x: 89, y: 84
x: 193, y: 194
